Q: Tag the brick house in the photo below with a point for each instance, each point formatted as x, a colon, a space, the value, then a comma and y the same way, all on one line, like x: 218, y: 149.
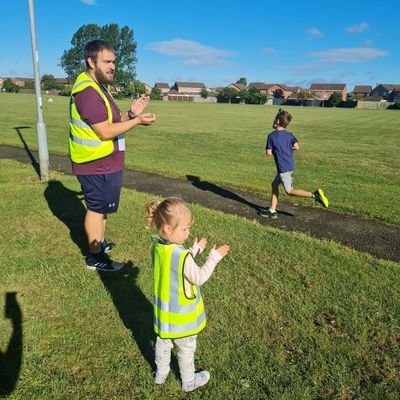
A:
x: 270, y: 88
x: 362, y: 90
x: 164, y: 87
x: 386, y: 90
x: 237, y: 86
x: 192, y: 88
x: 323, y: 91
x: 260, y: 86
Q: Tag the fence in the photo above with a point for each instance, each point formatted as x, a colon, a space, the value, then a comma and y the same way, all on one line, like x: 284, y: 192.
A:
x: 374, y: 105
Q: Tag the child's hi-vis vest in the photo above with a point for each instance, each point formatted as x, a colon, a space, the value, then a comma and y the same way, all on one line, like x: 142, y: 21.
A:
x: 175, y: 314
x: 84, y: 144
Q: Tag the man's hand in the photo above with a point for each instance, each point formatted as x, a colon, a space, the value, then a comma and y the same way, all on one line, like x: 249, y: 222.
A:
x: 138, y: 106
x: 146, y: 119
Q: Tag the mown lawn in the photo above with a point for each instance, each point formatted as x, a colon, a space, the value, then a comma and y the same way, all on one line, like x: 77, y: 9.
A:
x: 289, y: 317
x: 352, y: 154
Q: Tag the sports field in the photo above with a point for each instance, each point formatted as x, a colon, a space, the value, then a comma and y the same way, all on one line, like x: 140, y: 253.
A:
x: 353, y: 154
x: 289, y: 317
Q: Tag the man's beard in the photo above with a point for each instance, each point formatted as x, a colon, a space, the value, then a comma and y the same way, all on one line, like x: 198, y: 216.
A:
x: 103, y: 78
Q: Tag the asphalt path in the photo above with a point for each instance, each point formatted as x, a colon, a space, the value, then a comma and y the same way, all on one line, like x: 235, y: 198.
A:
x: 380, y: 239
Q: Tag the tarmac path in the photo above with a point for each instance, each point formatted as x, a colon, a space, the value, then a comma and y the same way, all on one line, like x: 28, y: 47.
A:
x: 380, y: 239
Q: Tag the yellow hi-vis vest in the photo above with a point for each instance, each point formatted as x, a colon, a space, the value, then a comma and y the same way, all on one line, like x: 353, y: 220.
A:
x: 84, y: 144
x: 175, y: 314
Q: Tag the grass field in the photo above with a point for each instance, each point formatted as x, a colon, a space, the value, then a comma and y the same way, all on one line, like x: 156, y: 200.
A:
x: 353, y: 154
x: 294, y: 318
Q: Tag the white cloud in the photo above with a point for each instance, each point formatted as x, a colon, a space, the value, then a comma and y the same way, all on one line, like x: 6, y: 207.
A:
x: 355, y: 29
x: 192, y: 53
x: 314, y: 32
x: 351, y: 55
x: 89, y: 2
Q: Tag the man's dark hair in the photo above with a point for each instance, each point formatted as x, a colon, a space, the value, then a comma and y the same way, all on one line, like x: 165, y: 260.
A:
x: 93, y: 48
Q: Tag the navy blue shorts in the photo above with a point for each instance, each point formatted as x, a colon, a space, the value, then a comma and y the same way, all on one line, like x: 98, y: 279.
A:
x: 102, y: 192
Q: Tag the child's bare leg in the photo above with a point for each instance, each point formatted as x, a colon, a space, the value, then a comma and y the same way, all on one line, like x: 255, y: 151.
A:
x: 299, y: 193
x: 275, y: 195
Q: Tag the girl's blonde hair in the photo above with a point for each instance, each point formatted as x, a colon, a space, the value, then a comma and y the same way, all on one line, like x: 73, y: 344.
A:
x: 282, y: 119
x: 158, y: 214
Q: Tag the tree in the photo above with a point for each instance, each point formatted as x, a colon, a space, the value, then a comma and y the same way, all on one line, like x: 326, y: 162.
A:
x: 243, y: 95
x: 278, y: 94
x: 204, y: 93
x: 29, y: 85
x: 255, y: 97
x: 156, y: 94
x: 302, y: 94
x: 335, y: 99
x: 10, y: 87
x: 72, y: 61
x: 134, y: 89
x: 48, y: 82
x: 242, y: 81
x: 227, y: 95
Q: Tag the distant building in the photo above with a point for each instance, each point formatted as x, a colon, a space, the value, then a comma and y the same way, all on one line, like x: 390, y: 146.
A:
x: 323, y: 91
x: 164, y: 87
x: 362, y: 90
x: 269, y: 89
x: 260, y: 86
x: 189, y: 87
x: 237, y: 86
x: 386, y: 90
x: 147, y: 88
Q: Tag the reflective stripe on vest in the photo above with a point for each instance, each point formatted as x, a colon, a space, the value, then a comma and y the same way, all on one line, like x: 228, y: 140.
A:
x: 175, y: 314
x: 84, y: 144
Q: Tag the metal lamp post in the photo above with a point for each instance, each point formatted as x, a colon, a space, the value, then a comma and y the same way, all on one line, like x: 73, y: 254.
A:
x: 40, y: 125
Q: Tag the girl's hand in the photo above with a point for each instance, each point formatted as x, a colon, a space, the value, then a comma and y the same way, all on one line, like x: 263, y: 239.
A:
x: 223, y: 250
x: 202, y: 243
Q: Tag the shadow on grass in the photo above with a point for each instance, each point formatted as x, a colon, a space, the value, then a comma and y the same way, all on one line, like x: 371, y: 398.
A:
x: 67, y: 206
x: 34, y: 163
x: 135, y: 310
x: 11, y: 358
x: 227, y: 194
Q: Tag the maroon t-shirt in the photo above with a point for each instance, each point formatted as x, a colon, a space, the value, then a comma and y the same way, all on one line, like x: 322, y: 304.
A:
x: 92, y: 109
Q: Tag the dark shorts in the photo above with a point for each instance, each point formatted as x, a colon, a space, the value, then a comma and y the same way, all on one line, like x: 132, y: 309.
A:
x: 102, y: 192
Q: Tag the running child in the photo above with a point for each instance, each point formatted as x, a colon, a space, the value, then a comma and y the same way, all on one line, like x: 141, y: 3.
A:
x: 281, y: 144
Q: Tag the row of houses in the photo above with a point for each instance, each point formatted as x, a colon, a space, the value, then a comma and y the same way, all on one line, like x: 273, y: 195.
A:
x: 320, y: 91
x: 189, y: 91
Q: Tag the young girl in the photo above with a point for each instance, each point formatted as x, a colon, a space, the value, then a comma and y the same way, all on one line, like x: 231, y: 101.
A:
x: 281, y: 144
x: 178, y: 305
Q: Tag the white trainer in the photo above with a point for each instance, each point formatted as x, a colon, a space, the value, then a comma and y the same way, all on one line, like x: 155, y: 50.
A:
x: 160, y: 378
x: 200, y: 379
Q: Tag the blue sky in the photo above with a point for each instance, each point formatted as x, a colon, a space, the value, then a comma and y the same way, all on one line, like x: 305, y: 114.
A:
x: 295, y: 42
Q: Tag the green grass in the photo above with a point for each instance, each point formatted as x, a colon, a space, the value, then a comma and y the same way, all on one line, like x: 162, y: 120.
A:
x: 353, y: 154
x: 289, y: 317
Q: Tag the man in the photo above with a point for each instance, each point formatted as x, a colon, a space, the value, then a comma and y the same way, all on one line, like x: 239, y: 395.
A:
x: 97, y: 146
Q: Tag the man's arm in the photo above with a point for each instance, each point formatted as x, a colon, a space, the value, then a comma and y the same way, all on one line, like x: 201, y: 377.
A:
x: 296, y: 146
x: 268, y: 152
x: 108, y: 130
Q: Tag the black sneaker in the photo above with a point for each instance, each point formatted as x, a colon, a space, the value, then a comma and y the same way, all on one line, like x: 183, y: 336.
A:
x: 268, y: 214
x: 106, y: 247
x: 320, y: 198
x: 102, y: 263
